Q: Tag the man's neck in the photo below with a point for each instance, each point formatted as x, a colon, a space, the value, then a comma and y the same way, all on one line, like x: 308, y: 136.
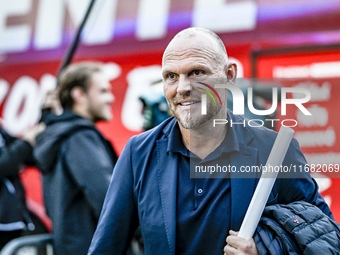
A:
x: 82, y: 113
x: 203, y: 140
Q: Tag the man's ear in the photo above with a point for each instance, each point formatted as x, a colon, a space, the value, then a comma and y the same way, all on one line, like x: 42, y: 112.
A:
x: 231, y: 72
x: 78, y: 95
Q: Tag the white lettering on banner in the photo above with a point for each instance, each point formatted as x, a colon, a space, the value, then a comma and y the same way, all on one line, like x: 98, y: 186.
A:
x: 220, y: 16
x: 4, y: 87
x: 112, y: 70
x: 49, y: 24
x: 318, y: 93
x: 327, y: 69
x: 22, y: 107
x: 323, y: 158
x: 291, y: 72
x: 319, y: 117
x: 50, y: 20
x: 324, y: 183
x: 314, y: 70
x: 47, y: 83
x: 316, y: 138
x: 152, y: 19
x: 51, y: 16
x: 14, y: 37
x: 25, y: 90
x: 139, y: 79
x: 101, y: 25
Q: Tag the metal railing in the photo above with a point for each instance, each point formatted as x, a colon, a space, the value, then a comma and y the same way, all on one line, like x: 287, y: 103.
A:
x: 30, y: 245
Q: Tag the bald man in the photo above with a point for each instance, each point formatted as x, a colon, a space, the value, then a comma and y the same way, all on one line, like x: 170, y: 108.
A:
x: 157, y: 183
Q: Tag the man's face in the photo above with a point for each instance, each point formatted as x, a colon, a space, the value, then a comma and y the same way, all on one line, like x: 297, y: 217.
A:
x: 186, y: 62
x: 99, y: 98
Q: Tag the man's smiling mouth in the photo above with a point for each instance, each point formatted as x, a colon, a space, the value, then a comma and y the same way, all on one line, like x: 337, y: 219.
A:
x: 189, y: 103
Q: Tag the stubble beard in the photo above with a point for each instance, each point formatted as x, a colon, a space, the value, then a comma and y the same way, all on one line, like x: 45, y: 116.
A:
x: 99, y: 114
x: 185, y: 120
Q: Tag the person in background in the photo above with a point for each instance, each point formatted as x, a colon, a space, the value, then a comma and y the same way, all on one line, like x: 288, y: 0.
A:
x: 51, y: 105
x: 155, y: 107
x: 14, y: 154
x: 156, y: 183
x: 75, y: 159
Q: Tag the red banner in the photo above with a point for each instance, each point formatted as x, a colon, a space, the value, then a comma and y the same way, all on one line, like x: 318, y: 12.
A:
x: 319, y: 132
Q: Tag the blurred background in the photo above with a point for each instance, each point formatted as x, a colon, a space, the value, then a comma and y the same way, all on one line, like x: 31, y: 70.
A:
x: 287, y: 42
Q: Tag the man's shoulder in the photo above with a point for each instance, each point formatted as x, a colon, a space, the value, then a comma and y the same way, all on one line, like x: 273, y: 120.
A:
x: 263, y: 139
x: 249, y: 131
x: 68, y: 124
x: 60, y: 132
x: 150, y: 137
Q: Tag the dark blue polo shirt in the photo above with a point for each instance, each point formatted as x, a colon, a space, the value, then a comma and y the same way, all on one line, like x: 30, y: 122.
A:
x: 203, y: 204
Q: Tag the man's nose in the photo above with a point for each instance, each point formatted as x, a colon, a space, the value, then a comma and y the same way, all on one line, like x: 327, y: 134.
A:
x: 184, y: 85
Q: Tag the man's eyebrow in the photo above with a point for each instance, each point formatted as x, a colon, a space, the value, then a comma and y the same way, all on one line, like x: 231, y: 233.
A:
x: 195, y: 67
x: 166, y: 71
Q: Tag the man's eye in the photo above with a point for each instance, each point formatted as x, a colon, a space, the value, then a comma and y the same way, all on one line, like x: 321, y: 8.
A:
x: 197, y: 72
x: 171, y: 76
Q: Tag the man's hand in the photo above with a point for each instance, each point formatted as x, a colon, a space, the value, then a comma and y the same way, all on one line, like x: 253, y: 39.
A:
x: 239, y: 245
x: 33, y: 132
x: 52, y: 102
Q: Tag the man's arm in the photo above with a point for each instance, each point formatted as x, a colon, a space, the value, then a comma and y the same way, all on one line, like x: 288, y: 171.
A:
x: 18, y: 151
x: 90, y: 166
x: 298, y: 186
x: 13, y: 157
x: 119, y: 218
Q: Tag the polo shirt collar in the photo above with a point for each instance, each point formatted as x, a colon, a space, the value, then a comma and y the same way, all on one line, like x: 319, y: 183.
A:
x: 175, y: 143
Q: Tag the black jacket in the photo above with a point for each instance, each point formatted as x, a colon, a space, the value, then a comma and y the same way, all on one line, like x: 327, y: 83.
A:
x: 297, y: 228
x: 14, y: 153
x: 77, y: 164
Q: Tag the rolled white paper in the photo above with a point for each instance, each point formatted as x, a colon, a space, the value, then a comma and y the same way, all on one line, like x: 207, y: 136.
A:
x: 266, y: 183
